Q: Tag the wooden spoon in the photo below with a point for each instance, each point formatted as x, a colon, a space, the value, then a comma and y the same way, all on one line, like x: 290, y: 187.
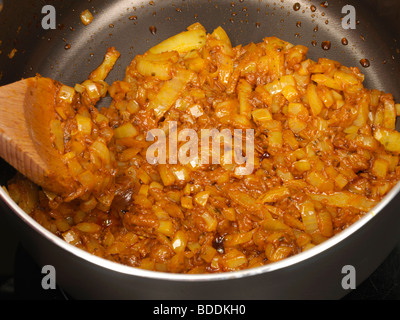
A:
x: 26, y: 111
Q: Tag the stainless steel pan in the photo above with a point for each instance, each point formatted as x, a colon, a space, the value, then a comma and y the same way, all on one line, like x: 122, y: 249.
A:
x: 71, y: 51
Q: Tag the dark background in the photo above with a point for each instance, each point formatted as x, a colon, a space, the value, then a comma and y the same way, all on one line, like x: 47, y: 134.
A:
x: 20, y: 277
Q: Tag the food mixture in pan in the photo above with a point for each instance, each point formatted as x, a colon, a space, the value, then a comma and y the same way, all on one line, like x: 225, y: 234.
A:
x: 317, y: 152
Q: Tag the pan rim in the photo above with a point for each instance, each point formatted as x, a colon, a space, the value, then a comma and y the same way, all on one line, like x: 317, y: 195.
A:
x: 156, y: 275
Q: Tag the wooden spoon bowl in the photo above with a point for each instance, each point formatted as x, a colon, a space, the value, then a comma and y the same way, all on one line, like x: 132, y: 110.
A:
x: 26, y: 112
